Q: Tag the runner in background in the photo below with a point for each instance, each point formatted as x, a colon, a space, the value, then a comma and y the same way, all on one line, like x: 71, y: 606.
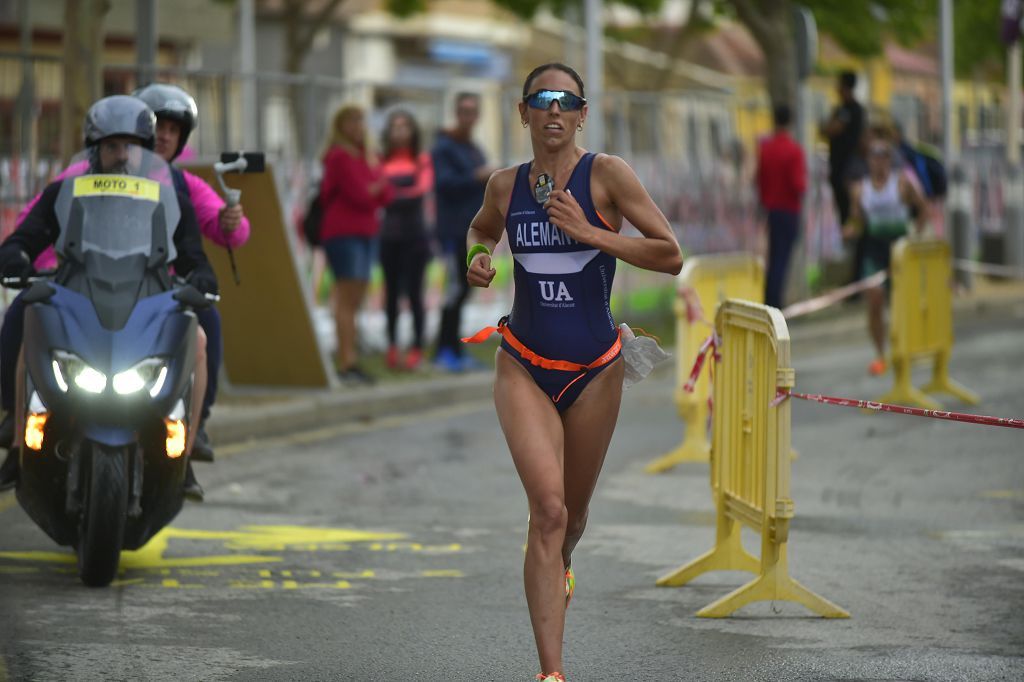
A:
x: 881, y: 213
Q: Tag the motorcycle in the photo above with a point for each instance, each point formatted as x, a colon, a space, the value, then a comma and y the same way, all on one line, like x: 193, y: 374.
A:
x: 107, y: 368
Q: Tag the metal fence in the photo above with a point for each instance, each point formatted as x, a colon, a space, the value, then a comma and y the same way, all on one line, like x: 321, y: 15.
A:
x: 683, y: 146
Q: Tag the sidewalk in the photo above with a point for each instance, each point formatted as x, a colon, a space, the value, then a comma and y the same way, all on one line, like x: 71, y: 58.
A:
x: 249, y: 413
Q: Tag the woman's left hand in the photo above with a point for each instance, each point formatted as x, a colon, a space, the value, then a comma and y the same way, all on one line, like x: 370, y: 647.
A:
x: 566, y: 213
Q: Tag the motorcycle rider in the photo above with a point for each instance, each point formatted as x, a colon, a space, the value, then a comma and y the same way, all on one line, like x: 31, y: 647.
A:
x: 112, y: 126
x: 176, y: 117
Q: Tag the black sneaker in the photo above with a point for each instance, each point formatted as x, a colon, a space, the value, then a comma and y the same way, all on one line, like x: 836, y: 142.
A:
x: 9, y: 470
x: 193, y: 491
x: 7, y: 431
x: 202, y: 450
x: 355, y: 375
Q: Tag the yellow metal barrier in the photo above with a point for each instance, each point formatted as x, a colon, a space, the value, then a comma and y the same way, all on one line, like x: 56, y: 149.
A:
x: 714, y: 278
x: 921, y: 325
x: 750, y: 462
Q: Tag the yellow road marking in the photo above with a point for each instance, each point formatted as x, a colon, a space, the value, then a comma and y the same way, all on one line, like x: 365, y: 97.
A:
x: 1004, y: 494
x: 351, y: 428
x: 443, y: 573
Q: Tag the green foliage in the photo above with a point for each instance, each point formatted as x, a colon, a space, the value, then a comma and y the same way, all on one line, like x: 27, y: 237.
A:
x: 862, y: 26
x: 977, y: 49
x: 527, y: 8
x: 406, y: 8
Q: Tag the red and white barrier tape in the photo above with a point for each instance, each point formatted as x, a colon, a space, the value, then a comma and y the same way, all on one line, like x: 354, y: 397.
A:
x: 900, y: 409
x: 817, y: 303
x: 710, y: 344
x: 713, y: 343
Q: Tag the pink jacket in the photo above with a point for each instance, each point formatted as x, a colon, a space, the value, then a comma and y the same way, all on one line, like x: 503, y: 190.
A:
x: 205, y: 200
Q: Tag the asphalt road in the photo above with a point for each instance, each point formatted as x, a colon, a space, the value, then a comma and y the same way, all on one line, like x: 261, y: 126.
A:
x: 391, y: 550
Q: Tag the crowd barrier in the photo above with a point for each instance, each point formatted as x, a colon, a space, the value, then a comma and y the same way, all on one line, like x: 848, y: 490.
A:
x: 921, y: 322
x: 713, y: 278
x: 750, y: 462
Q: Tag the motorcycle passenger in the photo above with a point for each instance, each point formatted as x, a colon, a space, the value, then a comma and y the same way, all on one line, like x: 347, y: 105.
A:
x: 176, y: 116
x: 113, y: 125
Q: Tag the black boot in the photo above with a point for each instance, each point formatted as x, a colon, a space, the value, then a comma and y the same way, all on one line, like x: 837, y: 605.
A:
x: 7, y: 431
x: 193, y: 491
x: 202, y: 450
x: 9, y: 470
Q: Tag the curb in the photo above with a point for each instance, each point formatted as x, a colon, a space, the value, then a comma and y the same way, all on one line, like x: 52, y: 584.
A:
x: 307, y: 411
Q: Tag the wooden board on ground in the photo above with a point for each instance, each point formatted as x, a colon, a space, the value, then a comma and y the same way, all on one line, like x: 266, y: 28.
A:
x: 269, y: 337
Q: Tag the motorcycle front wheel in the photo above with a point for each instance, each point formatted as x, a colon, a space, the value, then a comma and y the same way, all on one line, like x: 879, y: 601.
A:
x: 101, y: 527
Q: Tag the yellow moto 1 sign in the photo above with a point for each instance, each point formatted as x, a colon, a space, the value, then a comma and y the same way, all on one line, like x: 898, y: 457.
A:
x: 117, y: 185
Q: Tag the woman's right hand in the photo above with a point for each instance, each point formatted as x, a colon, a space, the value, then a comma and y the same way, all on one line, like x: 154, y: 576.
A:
x: 480, y: 271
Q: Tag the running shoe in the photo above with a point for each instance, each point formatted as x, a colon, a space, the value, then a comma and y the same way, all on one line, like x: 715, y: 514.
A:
x: 570, y: 585
x: 392, y: 357
x: 470, y: 364
x: 413, y: 359
x: 447, y: 361
x: 551, y: 677
x: 877, y: 367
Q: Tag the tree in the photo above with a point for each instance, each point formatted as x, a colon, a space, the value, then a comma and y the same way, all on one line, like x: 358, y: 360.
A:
x: 861, y: 27
x: 302, y: 20
x: 82, y: 68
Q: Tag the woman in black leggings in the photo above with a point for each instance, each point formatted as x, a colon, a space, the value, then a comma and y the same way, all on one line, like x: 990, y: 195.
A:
x: 404, y: 246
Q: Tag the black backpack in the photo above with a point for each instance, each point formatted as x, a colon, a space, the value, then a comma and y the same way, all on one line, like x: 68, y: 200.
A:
x: 311, y: 221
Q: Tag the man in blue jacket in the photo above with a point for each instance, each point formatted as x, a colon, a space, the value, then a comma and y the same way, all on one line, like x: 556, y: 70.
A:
x: 460, y: 175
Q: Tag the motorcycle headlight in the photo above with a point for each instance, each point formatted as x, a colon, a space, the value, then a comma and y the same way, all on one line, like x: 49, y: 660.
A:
x: 70, y: 366
x: 150, y: 373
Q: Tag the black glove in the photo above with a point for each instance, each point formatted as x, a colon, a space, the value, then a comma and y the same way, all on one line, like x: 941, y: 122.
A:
x: 15, y: 264
x: 206, y: 282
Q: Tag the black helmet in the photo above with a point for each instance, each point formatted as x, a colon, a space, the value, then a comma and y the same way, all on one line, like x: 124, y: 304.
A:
x: 171, y: 102
x: 120, y: 115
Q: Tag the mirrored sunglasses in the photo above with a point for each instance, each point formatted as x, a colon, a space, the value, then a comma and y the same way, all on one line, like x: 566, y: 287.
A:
x: 542, y: 100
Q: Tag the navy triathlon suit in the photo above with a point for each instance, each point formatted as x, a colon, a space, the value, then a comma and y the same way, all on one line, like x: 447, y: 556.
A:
x: 561, y: 309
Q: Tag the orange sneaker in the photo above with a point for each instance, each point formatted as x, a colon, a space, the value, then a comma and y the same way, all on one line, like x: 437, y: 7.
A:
x: 551, y: 677
x: 570, y: 585
x: 877, y: 367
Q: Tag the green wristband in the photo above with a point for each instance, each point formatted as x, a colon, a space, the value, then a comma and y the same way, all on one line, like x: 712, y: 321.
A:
x: 475, y: 249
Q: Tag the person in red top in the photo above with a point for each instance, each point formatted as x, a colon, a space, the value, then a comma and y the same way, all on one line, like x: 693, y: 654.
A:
x: 353, y: 191
x: 781, y: 182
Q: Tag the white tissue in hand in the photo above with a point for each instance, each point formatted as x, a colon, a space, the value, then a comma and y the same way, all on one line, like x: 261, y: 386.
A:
x: 641, y: 355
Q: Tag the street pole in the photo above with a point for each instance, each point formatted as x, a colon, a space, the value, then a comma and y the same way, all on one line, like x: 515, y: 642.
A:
x: 247, y: 66
x: 958, y: 204
x: 25, y: 120
x: 145, y: 41
x: 946, y: 59
x: 1013, y: 244
x: 595, y: 74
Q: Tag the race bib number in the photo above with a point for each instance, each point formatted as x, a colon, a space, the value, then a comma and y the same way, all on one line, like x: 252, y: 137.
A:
x: 118, y: 186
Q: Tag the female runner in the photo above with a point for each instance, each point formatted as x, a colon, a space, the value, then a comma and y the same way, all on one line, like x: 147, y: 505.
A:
x: 559, y: 373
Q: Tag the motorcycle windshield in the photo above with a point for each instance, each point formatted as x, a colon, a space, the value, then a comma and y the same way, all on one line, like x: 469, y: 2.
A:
x: 128, y: 208
x: 117, y: 210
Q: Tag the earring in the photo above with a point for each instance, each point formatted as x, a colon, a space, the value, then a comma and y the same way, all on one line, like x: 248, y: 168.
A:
x: 579, y: 127
x: 525, y: 124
